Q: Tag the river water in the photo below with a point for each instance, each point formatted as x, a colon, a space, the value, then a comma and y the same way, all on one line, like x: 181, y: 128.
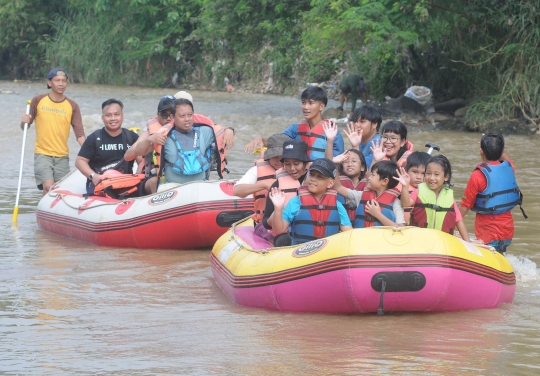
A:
x: 74, y: 308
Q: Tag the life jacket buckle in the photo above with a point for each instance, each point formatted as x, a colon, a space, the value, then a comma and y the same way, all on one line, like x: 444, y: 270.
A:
x: 319, y: 223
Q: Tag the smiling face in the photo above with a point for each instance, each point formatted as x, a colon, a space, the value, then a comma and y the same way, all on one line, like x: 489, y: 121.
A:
x: 417, y: 175
x: 374, y: 182
x: 275, y: 162
x: 311, y: 108
x: 294, y: 167
x: 391, y: 143
x: 353, y: 167
x: 183, y: 118
x: 113, y: 117
x: 435, y: 177
x: 368, y: 128
x: 317, y: 183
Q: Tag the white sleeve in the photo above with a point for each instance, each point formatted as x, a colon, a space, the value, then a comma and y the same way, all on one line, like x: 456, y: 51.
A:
x: 250, y: 177
x: 398, y: 212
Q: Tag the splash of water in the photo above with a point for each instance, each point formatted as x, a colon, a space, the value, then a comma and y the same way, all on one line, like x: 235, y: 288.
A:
x: 525, y: 269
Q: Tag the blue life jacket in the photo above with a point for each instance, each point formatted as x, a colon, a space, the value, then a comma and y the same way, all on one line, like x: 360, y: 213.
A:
x: 315, y: 219
x: 502, y: 192
x: 193, y: 160
x: 386, y: 202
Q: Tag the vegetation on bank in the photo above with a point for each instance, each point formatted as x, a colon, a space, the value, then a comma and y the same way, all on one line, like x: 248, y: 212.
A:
x: 484, y: 51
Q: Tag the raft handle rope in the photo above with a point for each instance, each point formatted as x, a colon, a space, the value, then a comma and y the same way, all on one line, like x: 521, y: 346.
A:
x: 380, y: 311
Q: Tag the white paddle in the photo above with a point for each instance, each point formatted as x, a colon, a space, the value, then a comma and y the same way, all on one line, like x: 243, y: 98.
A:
x: 16, y: 209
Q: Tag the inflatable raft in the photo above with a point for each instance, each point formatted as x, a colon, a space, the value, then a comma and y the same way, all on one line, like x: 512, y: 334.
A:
x: 185, y: 216
x: 375, y: 269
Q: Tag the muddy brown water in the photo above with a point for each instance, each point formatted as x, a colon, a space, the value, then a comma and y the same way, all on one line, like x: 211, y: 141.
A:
x: 73, y: 308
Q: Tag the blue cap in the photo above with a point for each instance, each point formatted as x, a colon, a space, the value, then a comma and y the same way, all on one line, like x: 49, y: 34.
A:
x: 54, y: 72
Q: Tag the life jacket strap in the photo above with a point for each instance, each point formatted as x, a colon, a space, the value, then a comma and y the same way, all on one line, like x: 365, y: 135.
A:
x: 436, y: 207
x: 319, y: 207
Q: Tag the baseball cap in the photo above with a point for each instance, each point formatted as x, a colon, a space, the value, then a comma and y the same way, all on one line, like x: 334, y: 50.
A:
x: 165, y: 103
x: 274, y: 145
x: 56, y: 72
x: 295, y: 149
x: 184, y: 95
x: 324, y: 166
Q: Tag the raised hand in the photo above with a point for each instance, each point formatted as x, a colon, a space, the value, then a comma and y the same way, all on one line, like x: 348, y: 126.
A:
x: 257, y: 142
x: 338, y: 159
x: 277, y: 197
x: 228, y: 139
x: 403, y: 177
x: 377, y: 150
x: 354, y: 136
x: 330, y: 130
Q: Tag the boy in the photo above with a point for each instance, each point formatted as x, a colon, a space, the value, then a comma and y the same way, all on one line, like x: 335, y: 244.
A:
x: 378, y: 204
x: 493, y: 224
x: 409, y: 177
x: 311, y: 130
x: 315, y: 213
x: 364, y: 130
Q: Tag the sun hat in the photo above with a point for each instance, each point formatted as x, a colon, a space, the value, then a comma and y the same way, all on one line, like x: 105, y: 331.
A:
x: 295, y: 149
x: 56, y: 72
x: 274, y: 145
x: 325, y: 166
x: 184, y: 95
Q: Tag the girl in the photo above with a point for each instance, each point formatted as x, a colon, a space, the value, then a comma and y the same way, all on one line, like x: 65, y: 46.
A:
x: 393, y: 144
x: 435, y: 206
x: 351, y: 175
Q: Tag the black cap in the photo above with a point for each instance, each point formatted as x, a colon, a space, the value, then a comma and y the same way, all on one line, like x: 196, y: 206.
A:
x: 324, y: 166
x: 295, y: 149
x: 165, y: 103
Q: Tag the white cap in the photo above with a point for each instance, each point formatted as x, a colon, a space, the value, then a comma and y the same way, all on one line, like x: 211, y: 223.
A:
x: 184, y: 95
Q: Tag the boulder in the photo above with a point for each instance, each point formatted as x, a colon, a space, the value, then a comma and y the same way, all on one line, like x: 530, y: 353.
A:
x: 460, y: 112
x: 449, y: 106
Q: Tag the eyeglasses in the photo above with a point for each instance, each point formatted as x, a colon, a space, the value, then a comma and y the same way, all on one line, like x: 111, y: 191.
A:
x: 392, y: 139
x: 350, y: 161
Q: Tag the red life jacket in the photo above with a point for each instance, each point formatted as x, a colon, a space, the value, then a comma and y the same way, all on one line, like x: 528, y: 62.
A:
x: 119, y: 186
x: 386, y: 202
x: 265, y: 172
x: 315, y: 219
x: 314, y: 138
x: 348, y: 183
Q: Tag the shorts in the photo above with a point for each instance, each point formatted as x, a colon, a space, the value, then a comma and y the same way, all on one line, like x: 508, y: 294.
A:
x: 47, y: 167
x: 500, y: 245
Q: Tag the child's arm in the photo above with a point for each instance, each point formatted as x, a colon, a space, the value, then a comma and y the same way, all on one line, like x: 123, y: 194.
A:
x: 344, y: 221
x: 330, y: 131
x: 355, y: 137
x: 373, y: 209
x: 463, y: 210
x: 404, y: 179
x: 339, y: 159
x: 279, y: 225
x: 463, y: 231
x: 257, y: 142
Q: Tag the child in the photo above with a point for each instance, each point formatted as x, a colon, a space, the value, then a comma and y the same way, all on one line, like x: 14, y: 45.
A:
x: 393, y: 144
x: 351, y: 176
x: 311, y: 130
x: 435, y: 206
x: 363, y: 130
x: 410, y: 177
x: 315, y: 213
x: 493, y: 224
x: 378, y: 204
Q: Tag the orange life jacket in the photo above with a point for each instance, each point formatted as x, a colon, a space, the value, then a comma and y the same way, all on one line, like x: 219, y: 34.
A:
x: 219, y: 132
x: 315, y: 139
x: 266, y: 172
x: 118, y: 186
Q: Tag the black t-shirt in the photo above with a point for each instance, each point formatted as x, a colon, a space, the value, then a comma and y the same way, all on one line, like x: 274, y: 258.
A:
x: 105, y: 151
x: 269, y: 207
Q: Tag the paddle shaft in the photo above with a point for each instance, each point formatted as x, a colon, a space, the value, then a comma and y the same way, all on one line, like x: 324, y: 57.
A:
x: 16, y: 209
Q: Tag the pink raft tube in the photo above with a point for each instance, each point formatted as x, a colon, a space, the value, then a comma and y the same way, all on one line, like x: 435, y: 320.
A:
x: 360, y: 271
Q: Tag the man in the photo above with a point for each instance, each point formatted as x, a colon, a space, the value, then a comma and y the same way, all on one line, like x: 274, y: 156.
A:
x: 351, y: 86
x: 104, y: 149
x: 54, y: 113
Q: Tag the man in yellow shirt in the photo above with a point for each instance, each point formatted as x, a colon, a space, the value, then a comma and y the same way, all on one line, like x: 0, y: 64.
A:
x: 54, y: 113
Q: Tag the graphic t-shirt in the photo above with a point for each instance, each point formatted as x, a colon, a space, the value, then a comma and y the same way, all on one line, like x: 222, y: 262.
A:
x: 105, y: 151
x: 53, y: 120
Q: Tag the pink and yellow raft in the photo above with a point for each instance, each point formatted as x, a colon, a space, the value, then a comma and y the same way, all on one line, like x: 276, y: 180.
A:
x: 361, y: 271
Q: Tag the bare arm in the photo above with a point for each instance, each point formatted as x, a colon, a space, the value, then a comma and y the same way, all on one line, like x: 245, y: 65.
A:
x: 463, y: 210
x: 279, y: 225
x: 81, y: 140
x: 82, y: 165
x: 254, y: 144
x: 330, y: 131
x: 463, y: 231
